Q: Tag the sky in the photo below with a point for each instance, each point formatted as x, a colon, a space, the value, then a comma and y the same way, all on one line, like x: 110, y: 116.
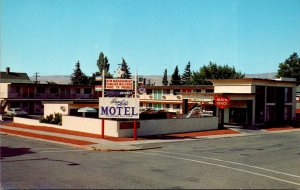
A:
x: 50, y: 36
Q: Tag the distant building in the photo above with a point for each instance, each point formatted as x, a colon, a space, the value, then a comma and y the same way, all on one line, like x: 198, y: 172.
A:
x: 14, y: 77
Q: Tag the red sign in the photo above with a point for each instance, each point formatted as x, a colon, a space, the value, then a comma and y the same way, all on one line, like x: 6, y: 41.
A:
x: 119, y: 84
x: 221, y: 101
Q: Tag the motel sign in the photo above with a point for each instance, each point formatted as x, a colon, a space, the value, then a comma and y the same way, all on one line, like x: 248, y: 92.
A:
x: 119, y: 107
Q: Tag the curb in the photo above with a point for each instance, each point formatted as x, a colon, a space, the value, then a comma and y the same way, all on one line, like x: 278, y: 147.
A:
x: 119, y: 150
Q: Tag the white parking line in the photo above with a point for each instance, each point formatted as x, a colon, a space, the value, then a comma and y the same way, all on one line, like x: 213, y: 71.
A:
x: 219, y: 165
x: 236, y: 163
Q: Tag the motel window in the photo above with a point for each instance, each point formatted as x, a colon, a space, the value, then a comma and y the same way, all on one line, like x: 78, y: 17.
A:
x: 149, y: 91
x: 198, y: 90
x: 15, y: 89
x: 167, y: 106
x: 87, y: 91
x: 53, y: 90
x: 41, y: 90
x: 259, y: 104
x: 77, y: 90
x: 176, y: 106
x: 288, y: 94
x: 150, y: 105
x: 176, y: 91
x: 166, y: 91
x: 186, y: 90
x: 209, y: 90
x: 271, y: 94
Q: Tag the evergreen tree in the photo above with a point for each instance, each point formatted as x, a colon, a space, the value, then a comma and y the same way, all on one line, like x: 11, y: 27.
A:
x: 78, y: 77
x: 213, y: 71
x: 175, y: 79
x: 165, y: 81
x: 186, y: 77
x: 290, y: 68
x: 102, y: 62
x: 125, y: 68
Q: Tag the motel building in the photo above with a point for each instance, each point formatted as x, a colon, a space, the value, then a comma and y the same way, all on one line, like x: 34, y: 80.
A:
x: 251, y: 101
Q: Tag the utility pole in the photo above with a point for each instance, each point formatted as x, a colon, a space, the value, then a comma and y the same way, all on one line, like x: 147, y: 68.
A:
x: 36, y: 77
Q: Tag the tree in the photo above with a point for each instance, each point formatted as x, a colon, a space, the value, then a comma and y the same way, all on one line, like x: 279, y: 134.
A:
x: 290, y: 67
x: 125, y: 69
x: 213, y: 71
x: 165, y: 81
x: 175, y: 79
x: 186, y: 77
x: 78, y: 77
x: 102, y: 62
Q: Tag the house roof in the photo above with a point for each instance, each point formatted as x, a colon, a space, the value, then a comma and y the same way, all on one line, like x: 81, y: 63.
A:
x: 13, y: 77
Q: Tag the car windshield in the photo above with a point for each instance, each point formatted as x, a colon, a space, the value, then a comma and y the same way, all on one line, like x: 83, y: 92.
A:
x: 17, y: 109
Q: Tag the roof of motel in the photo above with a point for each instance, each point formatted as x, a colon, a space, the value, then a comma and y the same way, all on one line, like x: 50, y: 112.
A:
x: 252, y: 80
x: 179, y: 87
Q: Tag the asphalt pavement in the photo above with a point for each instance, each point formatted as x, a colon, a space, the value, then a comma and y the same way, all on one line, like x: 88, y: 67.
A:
x: 260, y: 161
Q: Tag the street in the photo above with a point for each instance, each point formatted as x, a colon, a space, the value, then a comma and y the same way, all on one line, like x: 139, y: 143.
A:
x: 267, y: 161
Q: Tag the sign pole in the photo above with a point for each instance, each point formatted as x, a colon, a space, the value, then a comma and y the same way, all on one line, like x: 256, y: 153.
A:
x: 134, y: 130
x: 134, y: 123
x: 103, y: 86
x: 135, y: 84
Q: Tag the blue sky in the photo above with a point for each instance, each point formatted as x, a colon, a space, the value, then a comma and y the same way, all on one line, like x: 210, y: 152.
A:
x: 49, y: 36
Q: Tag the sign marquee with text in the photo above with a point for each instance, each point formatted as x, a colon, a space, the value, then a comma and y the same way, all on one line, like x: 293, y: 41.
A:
x: 221, y: 101
x: 113, y: 107
x: 119, y: 84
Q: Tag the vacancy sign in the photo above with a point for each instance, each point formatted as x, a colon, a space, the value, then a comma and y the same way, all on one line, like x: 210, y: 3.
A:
x: 117, y: 107
x: 119, y: 84
x: 221, y: 101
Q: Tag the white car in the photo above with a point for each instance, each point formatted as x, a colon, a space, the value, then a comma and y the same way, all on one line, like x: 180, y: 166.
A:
x: 16, y: 112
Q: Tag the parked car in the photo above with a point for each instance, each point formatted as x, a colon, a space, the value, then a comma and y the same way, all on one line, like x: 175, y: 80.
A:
x: 16, y: 112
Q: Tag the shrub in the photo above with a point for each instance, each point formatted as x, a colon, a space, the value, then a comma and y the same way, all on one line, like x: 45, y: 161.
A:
x: 52, y: 119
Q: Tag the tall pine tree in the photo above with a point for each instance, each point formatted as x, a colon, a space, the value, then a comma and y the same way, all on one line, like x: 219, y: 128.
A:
x: 186, y: 77
x: 125, y: 69
x: 176, y: 79
x: 78, y: 77
x: 165, y: 81
x: 102, y: 62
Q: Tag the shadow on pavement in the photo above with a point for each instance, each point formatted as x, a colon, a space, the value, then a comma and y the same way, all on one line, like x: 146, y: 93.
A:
x: 11, y: 152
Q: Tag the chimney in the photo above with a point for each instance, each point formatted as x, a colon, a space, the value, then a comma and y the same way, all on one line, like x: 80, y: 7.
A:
x: 7, y: 70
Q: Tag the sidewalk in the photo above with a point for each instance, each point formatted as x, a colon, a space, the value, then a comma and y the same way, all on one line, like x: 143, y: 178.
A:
x: 95, y: 142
